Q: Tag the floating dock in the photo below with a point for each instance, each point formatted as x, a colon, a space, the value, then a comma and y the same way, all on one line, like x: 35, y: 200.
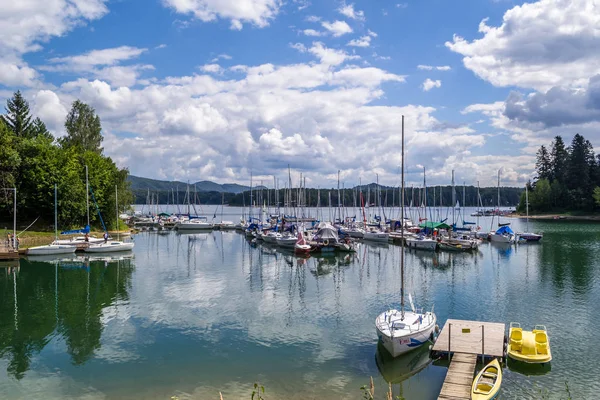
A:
x: 464, y: 341
x: 8, y: 254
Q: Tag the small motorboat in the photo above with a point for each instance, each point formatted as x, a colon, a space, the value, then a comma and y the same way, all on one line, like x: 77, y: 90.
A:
x: 301, y: 247
x: 529, y: 346
x: 486, y: 384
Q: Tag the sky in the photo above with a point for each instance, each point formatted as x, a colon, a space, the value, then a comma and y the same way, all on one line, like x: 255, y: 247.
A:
x: 224, y: 89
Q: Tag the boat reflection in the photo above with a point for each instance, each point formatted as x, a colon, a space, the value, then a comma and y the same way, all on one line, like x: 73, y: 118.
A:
x: 528, y: 369
x: 399, y: 369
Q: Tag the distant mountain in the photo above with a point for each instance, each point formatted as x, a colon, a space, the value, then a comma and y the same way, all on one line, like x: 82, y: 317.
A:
x: 139, y: 183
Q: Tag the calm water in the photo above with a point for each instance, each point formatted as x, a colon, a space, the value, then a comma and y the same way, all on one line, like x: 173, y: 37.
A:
x: 191, y: 315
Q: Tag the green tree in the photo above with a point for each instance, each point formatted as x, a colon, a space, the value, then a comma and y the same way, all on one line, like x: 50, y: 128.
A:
x: 541, y: 198
x: 579, y: 171
x: 38, y: 128
x: 84, y: 130
x: 559, y: 157
x: 596, y: 196
x: 543, y: 164
x: 18, y: 118
x: 10, y: 160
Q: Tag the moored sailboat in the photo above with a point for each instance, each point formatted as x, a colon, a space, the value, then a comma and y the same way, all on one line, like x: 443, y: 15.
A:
x: 400, y: 331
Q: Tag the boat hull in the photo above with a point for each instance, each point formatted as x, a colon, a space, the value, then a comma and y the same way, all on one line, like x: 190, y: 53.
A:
x: 110, y: 247
x: 194, y: 226
x: 376, y: 237
x: 429, y: 245
x: 50, y: 250
x: 402, y: 344
x: 486, y: 384
x: 501, y: 238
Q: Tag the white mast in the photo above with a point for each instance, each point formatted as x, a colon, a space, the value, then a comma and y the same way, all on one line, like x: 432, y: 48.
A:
x: 87, y: 195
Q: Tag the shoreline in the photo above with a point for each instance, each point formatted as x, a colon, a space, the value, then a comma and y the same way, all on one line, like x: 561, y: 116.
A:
x: 559, y: 216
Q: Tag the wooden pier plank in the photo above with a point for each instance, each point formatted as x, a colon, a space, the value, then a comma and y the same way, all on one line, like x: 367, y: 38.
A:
x: 459, y: 378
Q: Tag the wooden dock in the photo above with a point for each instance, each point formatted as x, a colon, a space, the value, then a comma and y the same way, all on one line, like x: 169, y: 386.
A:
x: 471, y: 337
x: 464, y: 341
x: 459, y: 378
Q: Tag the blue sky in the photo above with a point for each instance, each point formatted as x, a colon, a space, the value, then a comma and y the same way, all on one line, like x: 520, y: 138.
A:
x: 214, y: 89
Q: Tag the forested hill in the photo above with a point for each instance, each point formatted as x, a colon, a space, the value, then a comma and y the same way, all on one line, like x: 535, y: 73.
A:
x: 165, y: 191
x: 145, y: 184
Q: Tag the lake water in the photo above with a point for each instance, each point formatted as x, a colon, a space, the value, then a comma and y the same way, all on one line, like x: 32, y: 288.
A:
x: 189, y: 315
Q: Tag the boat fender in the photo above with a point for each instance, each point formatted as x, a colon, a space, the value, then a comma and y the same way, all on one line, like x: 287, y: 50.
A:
x: 437, y: 328
x: 326, y: 242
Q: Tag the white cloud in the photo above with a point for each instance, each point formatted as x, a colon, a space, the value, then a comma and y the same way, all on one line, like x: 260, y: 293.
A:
x: 430, y: 67
x: 330, y: 56
x: 364, y: 41
x: 538, y: 45
x: 371, y: 33
x: 48, y: 107
x: 160, y: 46
x: 256, y: 12
x: 110, y: 56
x: 378, y: 57
x: 221, y: 57
x: 24, y: 24
x: 429, y: 84
x: 349, y: 11
x: 17, y: 73
x: 401, y: 5
x: 337, y: 28
x: 213, y: 68
x: 312, y: 32
x: 313, y: 18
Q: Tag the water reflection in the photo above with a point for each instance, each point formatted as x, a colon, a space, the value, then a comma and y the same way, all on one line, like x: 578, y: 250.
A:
x: 51, y: 298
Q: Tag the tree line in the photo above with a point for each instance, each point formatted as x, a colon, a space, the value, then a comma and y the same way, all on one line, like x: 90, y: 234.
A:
x: 568, y: 178
x: 390, y: 197
x: 32, y: 160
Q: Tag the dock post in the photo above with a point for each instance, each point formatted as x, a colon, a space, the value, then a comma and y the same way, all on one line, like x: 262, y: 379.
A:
x: 482, y: 343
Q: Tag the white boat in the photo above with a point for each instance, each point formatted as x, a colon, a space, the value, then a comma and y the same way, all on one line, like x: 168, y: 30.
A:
x: 376, y: 236
x: 225, y: 225
x: 271, y: 237
x: 79, y: 240
x: 288, y: 241
x: 528, y: 236
x: 503, y: 235
x: 109, y: 247
x: 400, y: 332
x: 195, y: 224
x: 50, y: 249
x: 422, y: 243
x: 354, y: 232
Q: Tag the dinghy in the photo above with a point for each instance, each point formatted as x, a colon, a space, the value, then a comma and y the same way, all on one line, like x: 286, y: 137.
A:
x: 301, y: 246
x: 486, y: 384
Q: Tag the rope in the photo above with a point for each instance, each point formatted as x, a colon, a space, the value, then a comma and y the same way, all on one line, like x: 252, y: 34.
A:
x: 23, y: 231
x: 98, y: 209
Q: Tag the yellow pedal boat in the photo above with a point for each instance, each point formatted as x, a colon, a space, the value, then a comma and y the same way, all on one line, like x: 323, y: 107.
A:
x: 486, y: 384
x: 529, y: 346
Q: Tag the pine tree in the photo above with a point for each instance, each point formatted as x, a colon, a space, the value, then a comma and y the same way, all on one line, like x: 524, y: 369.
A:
x: 580, y: 168
x: 18, y: 118
x: 559, y: 157
x: 543, y: 164
x: 38, y: 128
x: 83, y: 128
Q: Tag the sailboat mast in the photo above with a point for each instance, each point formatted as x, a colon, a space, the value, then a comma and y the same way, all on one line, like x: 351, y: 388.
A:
x: 339, y: 199
x: 402, y: 229
x: 453, y: 200
x: 87, y: 195
x: 478, y: 202
x: 117, y: 211
x: 55, y: 216
x: 463, y: 204
x: 527, y: 206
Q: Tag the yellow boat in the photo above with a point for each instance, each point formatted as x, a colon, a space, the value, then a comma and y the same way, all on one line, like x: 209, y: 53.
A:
x: 486, y: 384
x: 529, y: 346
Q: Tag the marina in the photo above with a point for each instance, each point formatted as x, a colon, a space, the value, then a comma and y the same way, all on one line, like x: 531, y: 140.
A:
x: 288, y: 311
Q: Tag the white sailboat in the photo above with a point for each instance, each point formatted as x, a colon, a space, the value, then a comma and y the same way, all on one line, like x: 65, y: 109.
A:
x: 110, y: 246
x: 401, y: 331
x: 51, y: 249
x: 528, y: 236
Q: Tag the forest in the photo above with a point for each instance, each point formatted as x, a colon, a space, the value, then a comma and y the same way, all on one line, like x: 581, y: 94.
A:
x: 567, y: 178
x: 32, y: 160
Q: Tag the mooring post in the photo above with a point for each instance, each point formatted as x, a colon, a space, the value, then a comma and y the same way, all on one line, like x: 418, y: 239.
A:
x: 482, y: 343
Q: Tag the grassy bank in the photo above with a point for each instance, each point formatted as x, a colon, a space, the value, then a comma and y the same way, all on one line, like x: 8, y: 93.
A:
x: 572, y: 216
